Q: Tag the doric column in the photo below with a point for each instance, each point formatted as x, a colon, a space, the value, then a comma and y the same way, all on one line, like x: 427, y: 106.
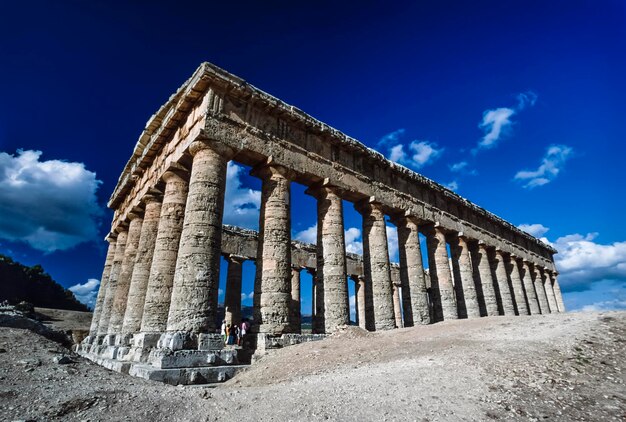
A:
x: 355, y: 279
x: 376, y: 265
x: 529, y: 288
x: 116, y: 266
x: 541, y: 291
x: 296, y: 321
x: 484, y: 278
x: 414, y: 295
x: 232, y: 297
x: 442, y: 287
x: 518, y: 287
x: 272, y: 284
x: 502, y: 279
x: 193, y: 307
x: 159, y: 292
x: 547, y: 286
x: 311, y: 272
x: 359, y: 299
x: 104, y: 283
x: 331, y: 259
x: 126, y: 272
x: 467, y: 300
x: 141, y: 271
x: 397, y: 308
x: 557, y: 292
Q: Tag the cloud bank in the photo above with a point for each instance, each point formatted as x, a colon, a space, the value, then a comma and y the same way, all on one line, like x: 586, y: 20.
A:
x: 87, y: 292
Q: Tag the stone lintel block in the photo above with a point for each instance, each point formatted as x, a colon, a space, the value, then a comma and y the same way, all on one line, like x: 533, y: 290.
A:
x: 146, y: 340
x: 166, y: 359
x: 123, y: 339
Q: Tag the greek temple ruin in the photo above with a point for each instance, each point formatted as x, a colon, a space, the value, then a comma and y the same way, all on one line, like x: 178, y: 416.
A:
x: 156, y: 314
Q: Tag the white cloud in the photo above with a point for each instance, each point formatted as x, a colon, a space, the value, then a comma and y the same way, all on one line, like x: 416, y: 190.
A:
x: 241, y: 205
x: 526, y: 99
x: 308, y: 235
x: 457, y: 167
x: 392, y: 243
x: 353, y: 242
x: 396, y: 153
x: 415, y: 155
x: 536, y: 230
x: 606, y: 305
x: 220, y: 292
x: 423, y: 152
x: 551, y: 164
x: 50, y: 205
x: 390, y: 138
x: 453, y: 185
x: 248, y: 296
x: 87, y: 292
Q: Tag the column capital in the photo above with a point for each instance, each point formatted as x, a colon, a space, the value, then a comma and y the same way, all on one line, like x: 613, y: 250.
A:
x: 134, y: 215
x: 323, y: 189
x: 201, y: 144
x: 175, y: 171
x: 356, y: 278
x: 235, y: 258
x: 153, y: 195
x: 269, y: 169
x: 365, y: 206
x: 110, y: 237
x: 401, y: 218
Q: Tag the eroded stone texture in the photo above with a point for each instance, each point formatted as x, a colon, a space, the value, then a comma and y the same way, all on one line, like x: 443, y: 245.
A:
x: 272, y: 285
x: 126, y: 272
x: 502, y: 279
x: 557, y: 293
x: 116, y: 266
x: 467, y: 300
x: 295, y: 300
x: 483, y: 276
x: 414, y: 294
x: 104, y: 283
x: 397, y: 308
x: 193, y: 307
x: 232, y: 297
x: 376, y: 267
x: 442, y: 288
x: 360, y: 301
x: 529, y: 288
x: 519, y: 295
x: 143, y: 262
x: 157, y: 304
x: 547, y: 285
x: 541, y: 291
x: 331, y: 260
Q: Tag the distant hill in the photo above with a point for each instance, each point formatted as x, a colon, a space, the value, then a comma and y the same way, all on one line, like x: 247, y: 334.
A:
x: 32, y: 284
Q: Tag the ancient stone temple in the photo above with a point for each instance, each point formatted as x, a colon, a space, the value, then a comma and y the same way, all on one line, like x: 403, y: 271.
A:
x: 156, y: 312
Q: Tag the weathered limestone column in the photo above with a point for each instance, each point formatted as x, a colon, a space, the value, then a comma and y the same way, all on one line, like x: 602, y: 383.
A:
x: 159, y: 292
x: 547, y: 284
x: 141, y: 271
x: 126, y: 272
x: 541, y: 291
x: 359, y: 299
x: 232, y: 297
x: 317, y: 303
x: 483, y: 276
x: 557, y: 292
x: 116, y: 266
x: 193, y: 308
x: 414, y: 295
x: 296, y: 320
x: 376, y: 265
x: 464, y: 280
x: 313, y: 298
x: 499, y: 270
x: 518, y: 287
x: 104, y: 283
x: 331, y: 259
x: 356, y: 298
x: 272, y: 286
x: 397, y: 309
x: 529, y: 288
x: 440, y: 275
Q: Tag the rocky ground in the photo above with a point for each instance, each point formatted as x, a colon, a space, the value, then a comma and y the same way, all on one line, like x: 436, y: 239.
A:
x: 556, y: 367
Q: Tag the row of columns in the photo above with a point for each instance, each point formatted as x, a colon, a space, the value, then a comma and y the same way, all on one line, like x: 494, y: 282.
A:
x: 161, y: 274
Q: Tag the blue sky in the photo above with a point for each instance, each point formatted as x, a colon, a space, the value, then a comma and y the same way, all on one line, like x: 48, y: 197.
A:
x: 519, y: 106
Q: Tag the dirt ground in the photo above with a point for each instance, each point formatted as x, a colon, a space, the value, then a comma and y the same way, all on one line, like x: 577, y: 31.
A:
x: 567, y: 367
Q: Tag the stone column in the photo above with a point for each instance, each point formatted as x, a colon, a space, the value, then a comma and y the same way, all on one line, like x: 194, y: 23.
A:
x: 104, y: 283
x: 557, y: 292
x: 232, y: 297
x: 331, y: 259
x: 376, y: 266
x: 313, y: 298
x: 126, y: 272
x: 440, y: 275
x: 193, y: 308
x: 141, y: 271
x: 296, y: 321
x: 159, y: 291
x: 518, y: 287
x: 360, y: 302
x: 467, y: 300
x: 356, y: 298
x: 541, y: 291
x: 116, y: 266
x: 397, y: 309
x: 272, y: 284
x: 501, y: 276
x: 529, y: 288
x: 414, y: 295
x: 547, y: 284
x: 484, y: 278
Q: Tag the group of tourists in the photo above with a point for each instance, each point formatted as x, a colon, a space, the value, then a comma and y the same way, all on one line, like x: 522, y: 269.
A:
x: 233, y: 334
